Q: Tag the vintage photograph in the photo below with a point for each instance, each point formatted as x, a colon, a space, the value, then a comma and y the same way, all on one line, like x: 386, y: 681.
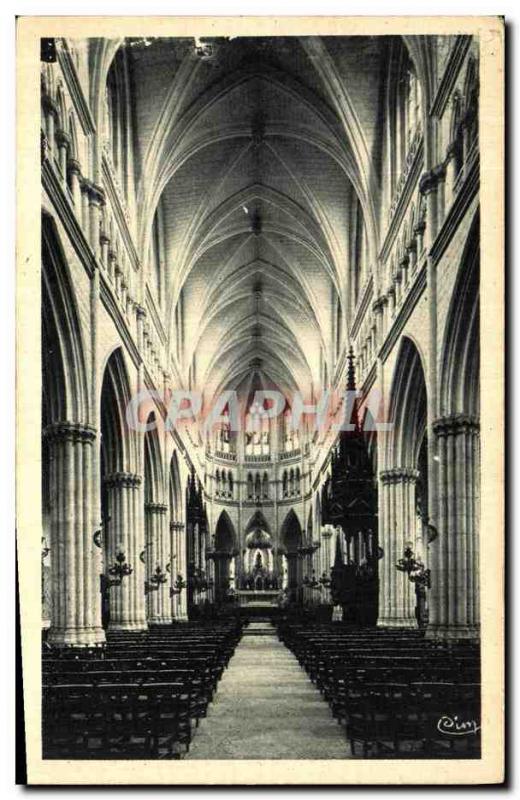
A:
x: 260, y: 397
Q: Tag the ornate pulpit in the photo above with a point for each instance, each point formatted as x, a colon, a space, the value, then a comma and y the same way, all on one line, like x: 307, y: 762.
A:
x: 349, y: 502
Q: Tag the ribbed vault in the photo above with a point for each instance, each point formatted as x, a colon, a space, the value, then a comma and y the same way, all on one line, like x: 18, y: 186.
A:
x: 253, y: 160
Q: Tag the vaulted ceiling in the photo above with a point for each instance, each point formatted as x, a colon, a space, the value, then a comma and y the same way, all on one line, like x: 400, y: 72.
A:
x: 256, y: 151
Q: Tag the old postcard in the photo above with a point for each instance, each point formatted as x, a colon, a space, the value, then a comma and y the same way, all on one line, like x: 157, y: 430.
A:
x: 260, y: 381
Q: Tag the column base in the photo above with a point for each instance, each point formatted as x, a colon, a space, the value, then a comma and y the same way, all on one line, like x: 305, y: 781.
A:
x: 76, y: 637
x: 453, y: 633
x: 397, y: 622
x: 159, y: 621
x: 127, y: 626
x: 180, y: 618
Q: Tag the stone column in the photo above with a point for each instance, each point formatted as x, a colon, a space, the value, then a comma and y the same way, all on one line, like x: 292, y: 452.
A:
x: 428, y: 188
x: 327, y: 559
x: 216, y: 572
x: 285, y: 572
x: 63, y: 142
x: 74, y: 170
x: 96, y: 197
x: 451, y: 176
x: 411, y: 251
x: 75, y: 559
x: 397, y: 527
x: 174, y: 568
x: 440, y: 172
x: 104, y: 245
x: 391, y: 303
x: 51, y: 114
x: 454, y: 555
x: 398, y: 286
x: 182, y: 602
x: 404, y: 264
x: 378, y: 307
x: 419, y: 234
x: 46, y: 586
x: 159, y: 611
x: 111, y: 264
x: 85, y: 212
x: 126, y: 535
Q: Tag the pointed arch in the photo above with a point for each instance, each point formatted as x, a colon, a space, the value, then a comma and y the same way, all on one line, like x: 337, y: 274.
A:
x: 175, y: 490
x: 291, y: 532
x: 408, y: 405
x: 64, y: 369
x: 460, y: 372
x: 153, y: 470
x: 118, y: 446
x: 225, y: 535
x: 292, y: 539
x: 257, y: 520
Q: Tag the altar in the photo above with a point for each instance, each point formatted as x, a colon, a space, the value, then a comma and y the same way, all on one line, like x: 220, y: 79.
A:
x: 258, y: 598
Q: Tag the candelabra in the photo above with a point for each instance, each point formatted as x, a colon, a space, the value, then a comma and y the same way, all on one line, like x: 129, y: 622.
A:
x: 157, y: 579
x: 120, y: 569
x: 415, y: 569
x: 178, y: 586
x: 325, y: 580
x: 312, y: 582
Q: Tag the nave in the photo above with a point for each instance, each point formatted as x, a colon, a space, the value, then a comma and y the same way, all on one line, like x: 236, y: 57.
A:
x: 229, y: 691
x: 266, y: 707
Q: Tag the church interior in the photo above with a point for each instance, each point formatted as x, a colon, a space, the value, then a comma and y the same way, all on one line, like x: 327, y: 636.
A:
x: 277, y: 238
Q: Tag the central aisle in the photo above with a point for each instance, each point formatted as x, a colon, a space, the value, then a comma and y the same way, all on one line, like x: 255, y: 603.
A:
x: 266, y: 707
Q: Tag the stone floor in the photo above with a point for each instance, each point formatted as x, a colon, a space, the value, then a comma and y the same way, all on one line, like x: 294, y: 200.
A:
x: 267, y: 708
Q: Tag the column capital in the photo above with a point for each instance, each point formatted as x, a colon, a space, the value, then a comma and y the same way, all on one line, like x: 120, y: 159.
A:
x: 454, y: 424
x: 63, y: 138
x: 70, y: 431
x: 140, y: 311
x: 430, y: 180
x: 420, y: 228
x: 399, y: 475
x: 155, y: 508
x: 123, y: 479
x: 73, y: 166
x: 96, y: 194
x: 440, y: 172
x: 176, y: 527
